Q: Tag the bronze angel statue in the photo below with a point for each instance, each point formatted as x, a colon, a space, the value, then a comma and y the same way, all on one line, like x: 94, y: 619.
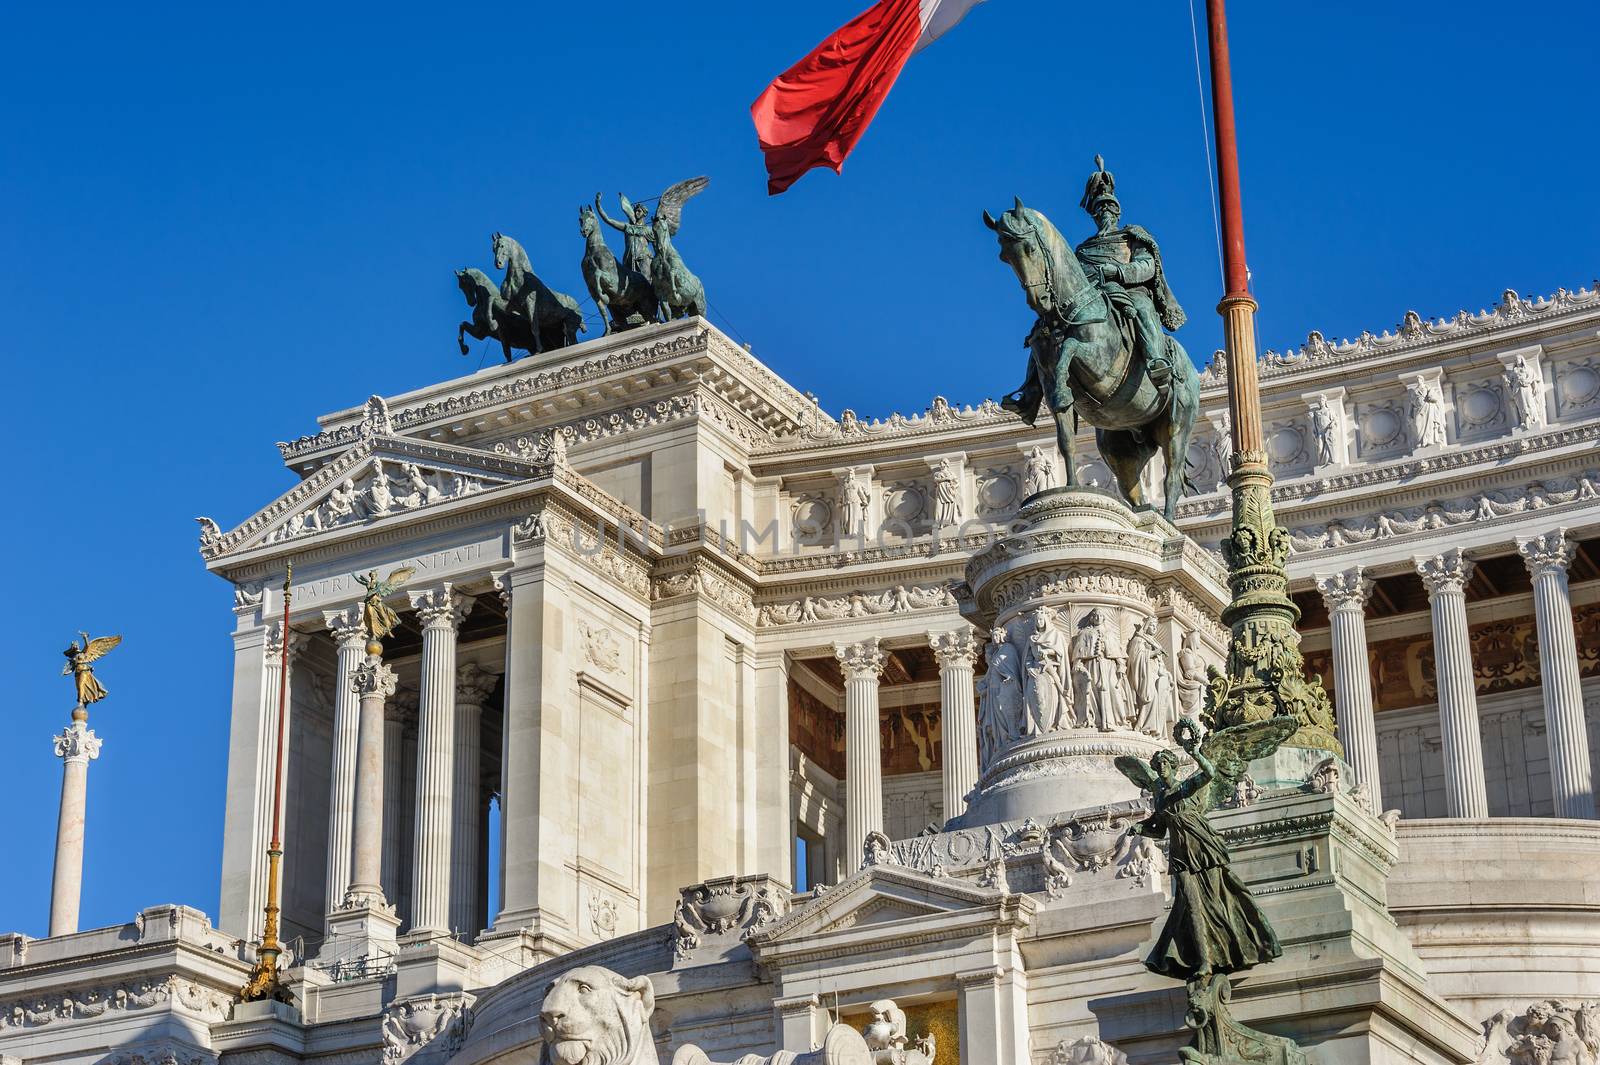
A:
x: 679, y: 292
x: 1215, y: 926
x: 79, y: 666
x: 376, y: 615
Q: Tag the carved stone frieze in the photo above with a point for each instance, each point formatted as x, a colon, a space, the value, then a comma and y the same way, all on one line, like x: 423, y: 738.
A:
x: 901, y: 599
x: 1546, y: 1033
x: 1442, y: 514
x: 69, y: 1005
x: 709, y: 581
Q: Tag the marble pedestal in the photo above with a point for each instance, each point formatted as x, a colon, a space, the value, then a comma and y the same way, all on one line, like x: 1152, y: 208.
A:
x: 1085, y: 608
x: 362, y: 937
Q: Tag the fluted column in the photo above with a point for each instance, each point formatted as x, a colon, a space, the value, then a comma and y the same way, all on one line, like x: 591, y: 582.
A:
x: 440, y: 610
x: 397, y: 714
x: 374, y: 683
x: 863, y: 765
x: 1446, y: 576
x: 76, y: 747
x: 956, y: 652
x: 473, y: 685
x: 1571, y: 777
x: 348, y: 635
x: 1346, y: 596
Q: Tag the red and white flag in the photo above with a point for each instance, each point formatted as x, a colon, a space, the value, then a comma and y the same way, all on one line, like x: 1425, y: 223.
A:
x: 814, y: 112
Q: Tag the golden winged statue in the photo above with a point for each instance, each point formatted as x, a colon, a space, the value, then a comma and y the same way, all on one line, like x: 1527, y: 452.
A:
x: 79, y: 669
x: 379, y: 619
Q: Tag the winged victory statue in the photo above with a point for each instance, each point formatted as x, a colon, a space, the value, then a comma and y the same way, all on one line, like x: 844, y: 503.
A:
x: 380, y: 620
x: 80, y: 666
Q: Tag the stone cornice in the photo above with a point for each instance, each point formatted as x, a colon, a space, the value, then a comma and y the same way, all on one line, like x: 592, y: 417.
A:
x: 1414, y: 335
x: 686, y: 350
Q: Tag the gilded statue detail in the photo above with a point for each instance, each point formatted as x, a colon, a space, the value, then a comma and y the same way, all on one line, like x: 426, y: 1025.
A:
x: 377, y: 617
x: 80, y: 667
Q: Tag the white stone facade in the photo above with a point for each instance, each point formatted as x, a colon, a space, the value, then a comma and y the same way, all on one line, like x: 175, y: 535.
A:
x: 683, y: 631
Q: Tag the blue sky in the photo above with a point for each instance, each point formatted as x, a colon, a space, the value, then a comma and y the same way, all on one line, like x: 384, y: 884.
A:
x: 222, y: 220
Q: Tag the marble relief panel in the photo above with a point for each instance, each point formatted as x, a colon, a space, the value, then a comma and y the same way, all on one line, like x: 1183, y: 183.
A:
x: 999, y: 490
x: 1577, y: 386
x: 1291, y: 449
x: 1381, y: 427
x: 1480, y: 407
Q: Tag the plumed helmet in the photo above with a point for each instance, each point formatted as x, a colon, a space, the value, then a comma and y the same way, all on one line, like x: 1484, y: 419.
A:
x: 1100, y: 188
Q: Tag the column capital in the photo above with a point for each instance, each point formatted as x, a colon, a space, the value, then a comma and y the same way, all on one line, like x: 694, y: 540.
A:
x: 372, y: 677
x: 958, y: 647
x: 861, y: 661
x: 1348, y: 589
x: 77, y: 743
x: 1445, y: 572
x: 345, y: 625
x: 1549, y: 553
x: 440, y: 607
x: 474, y: 683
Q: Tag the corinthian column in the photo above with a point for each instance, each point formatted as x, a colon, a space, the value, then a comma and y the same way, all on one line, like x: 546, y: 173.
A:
x: 1571, y: 779
x: 348, y: 634
x: 863, y: 767
x: 473, y: 685
x: 956, y: 651
x: 373, y: 683
x: 76, y: 747
x: 1446, y: 579
x: 1346, y: 596
x: 440, y: 610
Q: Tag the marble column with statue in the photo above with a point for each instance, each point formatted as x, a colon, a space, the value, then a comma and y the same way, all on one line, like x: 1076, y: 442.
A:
x: 863, y: 766
x: 77, y: 746
x: 350, y: 639
x: 1571, y: 776
x: 363, y: 929
x: 1445, y: 576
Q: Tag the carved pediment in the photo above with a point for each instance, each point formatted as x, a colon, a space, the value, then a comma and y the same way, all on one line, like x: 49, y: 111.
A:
x: 380, y: 477
x: 878, y: 895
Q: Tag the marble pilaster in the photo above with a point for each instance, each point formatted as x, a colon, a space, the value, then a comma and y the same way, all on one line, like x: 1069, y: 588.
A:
x: 440, y: 610
x: 1346, y: 596
x: 1571, y: 776
x: 956, y: 651
x: 272, y: 681
x: 350, y: 640
x: 1445, y: 576
x: 473, y: 686
x: 77, y: 746
x: 863, y: 773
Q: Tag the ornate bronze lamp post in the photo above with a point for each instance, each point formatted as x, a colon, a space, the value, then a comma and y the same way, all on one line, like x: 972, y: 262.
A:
x: 1266, y: 674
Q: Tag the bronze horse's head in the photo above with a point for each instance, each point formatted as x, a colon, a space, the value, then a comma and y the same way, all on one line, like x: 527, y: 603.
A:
x: 1023, y: 246
x: 586, y: 222
x: 502, y: 250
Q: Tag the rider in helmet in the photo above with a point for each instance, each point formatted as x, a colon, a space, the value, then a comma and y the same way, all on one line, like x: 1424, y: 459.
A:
x: 1125, y: 263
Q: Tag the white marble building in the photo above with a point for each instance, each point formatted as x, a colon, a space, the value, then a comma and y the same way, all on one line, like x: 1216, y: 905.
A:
x: 683, y: 639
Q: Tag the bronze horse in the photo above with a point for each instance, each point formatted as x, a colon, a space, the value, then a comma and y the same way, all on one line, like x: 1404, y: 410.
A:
x: 1083, y: 364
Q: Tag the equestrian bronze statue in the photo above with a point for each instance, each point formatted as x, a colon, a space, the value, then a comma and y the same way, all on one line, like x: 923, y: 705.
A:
x: 1099, y: 349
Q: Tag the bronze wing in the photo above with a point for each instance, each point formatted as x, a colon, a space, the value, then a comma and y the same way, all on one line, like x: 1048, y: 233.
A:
x: 672, y: 201
x: 1137, y: 771
x: 1231, y: 750
x: 99, y: 646
x: 399, y: 576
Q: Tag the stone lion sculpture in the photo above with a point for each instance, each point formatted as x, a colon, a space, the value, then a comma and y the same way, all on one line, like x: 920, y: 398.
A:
x: 593, y: 1016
